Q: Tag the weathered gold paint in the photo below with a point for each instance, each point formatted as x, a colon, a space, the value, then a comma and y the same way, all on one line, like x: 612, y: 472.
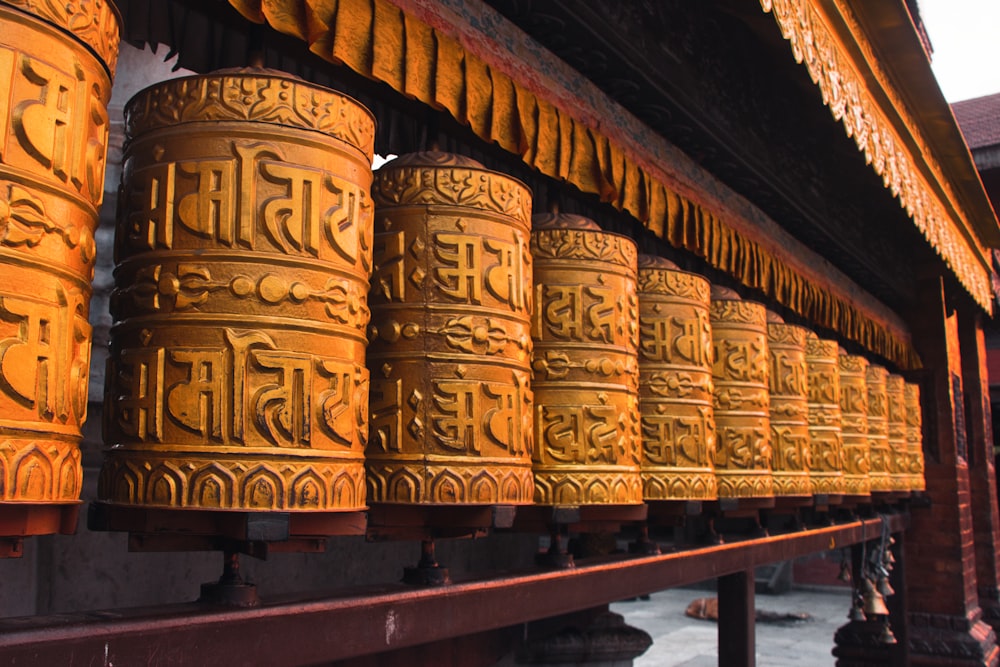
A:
x: 675, y: 383
x: 740, y: 397
x: 854, y: 424
x: 827, y: 469
x: 451, y: 341
x: 914, y: 438
x: 56, y: 65
x: 789, y: 411
x: 243, y: 251
x: 586, y: 375
x: 899, y: 468
x: 878, y: 428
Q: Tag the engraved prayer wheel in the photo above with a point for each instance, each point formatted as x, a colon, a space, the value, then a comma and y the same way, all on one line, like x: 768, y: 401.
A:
x: 586, y: 376
x: 675, y: 383
x: 237, y: 372
x: 450, y: 338
x: 899, y: 469
x: 741, y: 397
x: 914, y: 437
x: 827, y: 468
x: 878, y: 428
x: 789, y: 411
x: 57, y: 61
x: 854, y: 423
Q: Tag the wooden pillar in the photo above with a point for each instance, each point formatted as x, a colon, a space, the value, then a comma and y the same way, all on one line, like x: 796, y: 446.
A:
x: 737, y: 617
x: 982, y: 474
x: 945, y: 627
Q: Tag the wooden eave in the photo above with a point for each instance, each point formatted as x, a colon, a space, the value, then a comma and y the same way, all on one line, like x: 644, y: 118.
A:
x: 871, y: 54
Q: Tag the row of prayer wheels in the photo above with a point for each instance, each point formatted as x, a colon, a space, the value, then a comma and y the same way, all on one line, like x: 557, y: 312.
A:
x: 290, y: 335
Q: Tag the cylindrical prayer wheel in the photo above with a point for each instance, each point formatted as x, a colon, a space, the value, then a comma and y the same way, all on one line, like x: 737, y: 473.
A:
x: 237, y: 372
x: 675, y: 383
x: 57, y: 60
x: 827, y: 469
x: 787, y: 379
x: 899, y: 468
x: 878, y: 428
x: 914, y: 437
x: 586, y: 375
x: 740, y: 396
x: 854, y: 423
x: 450, y: 338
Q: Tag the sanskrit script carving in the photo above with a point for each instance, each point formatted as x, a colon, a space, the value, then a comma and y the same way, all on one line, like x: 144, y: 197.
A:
x: 914, y: 437
x: 741, y: 398
x: 53, y: 140
x: 854, y: 423
x: 450, y: 343
x: 94, y: 22
x: 878, y: 428
x: 789, y: 408
x: 237, y: 376
x: 827, y: 470
x: 586, y: 370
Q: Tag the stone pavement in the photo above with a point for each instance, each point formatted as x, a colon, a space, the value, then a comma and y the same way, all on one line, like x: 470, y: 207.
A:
x: 680, y: 641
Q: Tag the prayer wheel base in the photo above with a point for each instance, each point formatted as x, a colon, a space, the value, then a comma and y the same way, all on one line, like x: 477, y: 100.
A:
x: 825, y: 500
x: 737, y: 505
x: 851, y: 501
x: 668, y: 511
x: 578, y: 518
x: 783, y: 503
x: 888, y: 497
x: 252, y: 533
x: 19, y: 520
x: 401, y: 521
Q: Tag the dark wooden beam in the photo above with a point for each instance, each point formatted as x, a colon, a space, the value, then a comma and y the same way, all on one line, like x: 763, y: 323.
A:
x: 309, y: 630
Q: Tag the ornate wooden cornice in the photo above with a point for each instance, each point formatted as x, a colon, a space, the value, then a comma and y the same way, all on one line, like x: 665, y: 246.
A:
x: 837, y: 42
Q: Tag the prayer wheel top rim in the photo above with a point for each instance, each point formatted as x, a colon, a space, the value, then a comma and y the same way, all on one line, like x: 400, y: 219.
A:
x: 566, y: 221
x: 571, y: 222
x: 326, y: 111
x: 433, y: 159
x: 877, y: 373
x: 101, y: 36
x: 661, y: 263
x: 484, y: 189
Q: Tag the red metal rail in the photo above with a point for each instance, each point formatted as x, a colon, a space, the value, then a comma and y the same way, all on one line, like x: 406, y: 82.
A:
x: 364, y: 621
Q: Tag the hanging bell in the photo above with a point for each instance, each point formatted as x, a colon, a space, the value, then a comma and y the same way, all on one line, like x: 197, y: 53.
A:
x: 845, y: 572
x: 889, y: 559
x: 856, y: 613
x: 874, y: 604
x: 887, y: 638
x: 884, y: 588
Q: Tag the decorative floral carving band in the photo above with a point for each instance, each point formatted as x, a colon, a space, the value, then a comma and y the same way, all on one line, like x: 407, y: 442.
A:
x: 846, y: 93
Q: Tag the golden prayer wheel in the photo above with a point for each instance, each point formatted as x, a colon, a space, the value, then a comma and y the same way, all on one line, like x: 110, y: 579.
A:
x: 854, y: 423
x: 878, y: 429
x: 740, y: 396
x: 789, y: 412
x: 450, y: 338
x: 586, y: 375
x: 827, y: 469
x: 236, y: 375
x: 899, y: 468
x: 57, y: 60
x: 675, y: 383
x: 914, y: 437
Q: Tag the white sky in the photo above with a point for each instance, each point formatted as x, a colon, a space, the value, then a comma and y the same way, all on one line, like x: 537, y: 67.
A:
x: 965, y: 35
